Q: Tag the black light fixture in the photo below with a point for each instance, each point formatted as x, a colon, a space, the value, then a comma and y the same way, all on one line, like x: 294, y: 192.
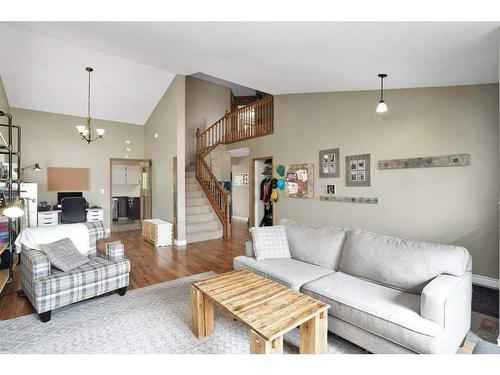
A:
x: 382, y: 107
x: 85, y: 130
x: 35, y: 167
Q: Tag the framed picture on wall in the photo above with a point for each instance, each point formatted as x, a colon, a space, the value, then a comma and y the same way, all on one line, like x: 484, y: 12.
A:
x: 329, y: 163
x: 358, y: 171
x: 299, y: 180
x: 330, y: 189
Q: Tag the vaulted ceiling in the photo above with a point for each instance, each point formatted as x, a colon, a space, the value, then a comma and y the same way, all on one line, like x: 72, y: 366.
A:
x: 45, y: 69
x: 48, y: 74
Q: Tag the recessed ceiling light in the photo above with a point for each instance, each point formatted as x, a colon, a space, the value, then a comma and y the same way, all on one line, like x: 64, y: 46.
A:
x: 157, y: 135
x: 127, y: 141
x: 128, y: 149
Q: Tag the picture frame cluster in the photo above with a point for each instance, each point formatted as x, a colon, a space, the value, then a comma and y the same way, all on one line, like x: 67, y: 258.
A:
x: 357, y: 169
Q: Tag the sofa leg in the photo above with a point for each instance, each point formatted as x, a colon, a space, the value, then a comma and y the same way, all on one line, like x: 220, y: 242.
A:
x: 45, y: 316
x: 122, y: 291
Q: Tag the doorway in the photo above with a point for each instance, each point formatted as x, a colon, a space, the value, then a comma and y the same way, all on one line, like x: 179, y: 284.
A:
x: 262, y: 205
x: 240, y: 187
x: 130, y: 193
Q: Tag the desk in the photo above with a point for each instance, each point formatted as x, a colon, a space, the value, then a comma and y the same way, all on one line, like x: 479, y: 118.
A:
x: 52, y: 217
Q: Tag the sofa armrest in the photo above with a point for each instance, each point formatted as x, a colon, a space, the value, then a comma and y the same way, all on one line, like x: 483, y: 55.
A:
x: 34, y: 265
x: 113, y: 253
x: 249, y: 252
x: 444, y: 294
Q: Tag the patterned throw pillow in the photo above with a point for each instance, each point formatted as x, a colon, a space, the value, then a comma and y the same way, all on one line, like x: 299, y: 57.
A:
x: 64, y: 255
x: 270, y: 242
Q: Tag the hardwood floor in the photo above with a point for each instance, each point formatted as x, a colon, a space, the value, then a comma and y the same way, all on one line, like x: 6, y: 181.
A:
x: 150, y: 265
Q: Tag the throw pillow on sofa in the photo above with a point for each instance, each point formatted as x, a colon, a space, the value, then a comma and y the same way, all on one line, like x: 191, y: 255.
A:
x: 64, y: 255
x: 270, y: 242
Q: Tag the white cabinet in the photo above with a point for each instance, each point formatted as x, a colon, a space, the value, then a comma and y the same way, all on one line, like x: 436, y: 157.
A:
x: 125, y: 175
x: 48, y: 218
x: 95, y: 214
x: 119, y: 175
x: 132, y: 175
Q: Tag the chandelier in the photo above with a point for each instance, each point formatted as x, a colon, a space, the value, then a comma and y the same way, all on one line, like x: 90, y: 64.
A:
x: 85, y: 130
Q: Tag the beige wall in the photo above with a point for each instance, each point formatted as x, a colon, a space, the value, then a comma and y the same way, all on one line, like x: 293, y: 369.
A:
x: 4, y: 103
x: 53, y: 141
x: 240, y: 194
x: 206, y: 103
x: 168, y: 120
x: 455, y: 205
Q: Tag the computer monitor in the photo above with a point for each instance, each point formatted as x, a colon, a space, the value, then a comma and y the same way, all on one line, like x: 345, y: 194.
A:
x: 66, y: 194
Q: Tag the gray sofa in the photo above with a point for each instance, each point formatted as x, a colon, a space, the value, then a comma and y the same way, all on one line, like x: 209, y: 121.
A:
x: 388, y: 295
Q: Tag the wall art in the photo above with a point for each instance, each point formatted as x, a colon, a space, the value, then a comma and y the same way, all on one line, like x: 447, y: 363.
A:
x: 329, y: 163
x: 299, y: 181
x: 357, y: 170
x: 336, y: 198
x: 330, y: 189
x: 240, y: 179
x: 457, y: 160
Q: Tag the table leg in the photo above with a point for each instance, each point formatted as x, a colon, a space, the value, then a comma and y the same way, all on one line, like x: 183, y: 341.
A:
x: 202, y: 313
x: 313, y: 335
x: 259, y: 345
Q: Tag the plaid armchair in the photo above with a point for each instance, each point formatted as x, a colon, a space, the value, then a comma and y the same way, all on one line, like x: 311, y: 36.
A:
x: 48, y: 288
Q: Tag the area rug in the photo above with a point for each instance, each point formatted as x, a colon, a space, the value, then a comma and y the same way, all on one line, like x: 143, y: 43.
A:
x: 154, y: 319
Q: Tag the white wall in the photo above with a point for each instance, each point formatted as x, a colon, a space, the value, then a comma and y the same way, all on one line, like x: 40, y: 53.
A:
x: 168, y: 121
x: 52, y: 140
x: 240, y: 194
x: 455, y: 205
x: 206, y: 103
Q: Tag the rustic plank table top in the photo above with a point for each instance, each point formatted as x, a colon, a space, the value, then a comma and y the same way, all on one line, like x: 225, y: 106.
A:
x: 268, y: 308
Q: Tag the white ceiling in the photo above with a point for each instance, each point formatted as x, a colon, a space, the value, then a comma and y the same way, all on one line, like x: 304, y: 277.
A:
x: 301, y: 57
x: 47, y: 74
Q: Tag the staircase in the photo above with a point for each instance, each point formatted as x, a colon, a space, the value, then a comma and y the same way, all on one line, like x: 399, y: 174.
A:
x: 251, y: 121
x: 201, y: 222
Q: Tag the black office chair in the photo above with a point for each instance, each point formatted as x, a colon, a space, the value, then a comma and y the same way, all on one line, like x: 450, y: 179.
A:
x: 73, y: 210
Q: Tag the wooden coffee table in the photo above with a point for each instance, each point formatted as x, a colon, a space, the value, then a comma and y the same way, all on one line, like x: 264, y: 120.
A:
x: 269, y: 309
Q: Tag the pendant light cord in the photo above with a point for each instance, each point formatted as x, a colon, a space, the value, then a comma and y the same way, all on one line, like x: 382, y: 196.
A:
x: 381, y: 88
x: 88, y: 106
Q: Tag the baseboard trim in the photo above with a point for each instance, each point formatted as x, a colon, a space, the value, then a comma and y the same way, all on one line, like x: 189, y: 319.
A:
x: 180, y: 243
x: 240, y: 218
x: 486, y: 281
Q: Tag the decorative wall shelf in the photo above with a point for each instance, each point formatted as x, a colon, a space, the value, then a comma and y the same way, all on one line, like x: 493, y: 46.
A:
x: 336, y: 198
x: 457, y: 160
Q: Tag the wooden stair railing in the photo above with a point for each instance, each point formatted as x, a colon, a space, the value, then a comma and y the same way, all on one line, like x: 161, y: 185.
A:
x: 251, y: 121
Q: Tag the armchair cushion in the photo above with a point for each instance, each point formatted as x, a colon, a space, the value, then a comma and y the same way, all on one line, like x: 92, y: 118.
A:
x: 64, y: 255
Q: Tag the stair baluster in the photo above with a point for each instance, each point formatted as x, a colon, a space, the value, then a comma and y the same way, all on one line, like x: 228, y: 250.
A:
x: 254, y: 120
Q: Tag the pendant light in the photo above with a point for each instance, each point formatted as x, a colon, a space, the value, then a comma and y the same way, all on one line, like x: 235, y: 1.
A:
x: 382, y: 107
x: 85, y: 130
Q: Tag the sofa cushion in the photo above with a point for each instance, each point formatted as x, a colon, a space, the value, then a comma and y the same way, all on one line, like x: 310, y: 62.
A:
x: 96, y: 270
x: 289, y: 272
x: 403, y: 264
x: 270, y: 242
x: 316, y: 244
x: 387, y: 312
x: 63, y: 254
